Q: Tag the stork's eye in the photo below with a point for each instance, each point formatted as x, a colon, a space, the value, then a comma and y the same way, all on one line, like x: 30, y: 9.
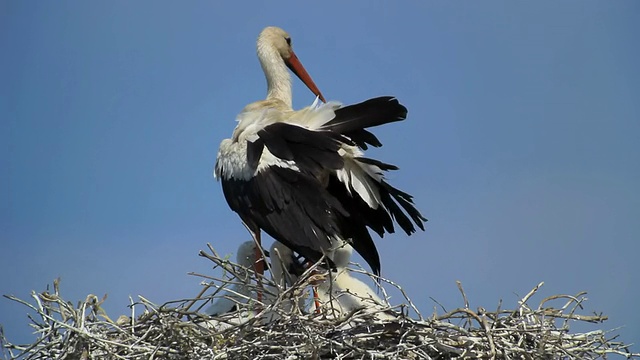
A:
x: 288, y: 39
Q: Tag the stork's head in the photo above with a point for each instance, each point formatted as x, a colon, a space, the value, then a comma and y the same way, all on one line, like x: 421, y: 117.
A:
x: 275, y: 38
x: 342, y: 255
x: 246, y: 255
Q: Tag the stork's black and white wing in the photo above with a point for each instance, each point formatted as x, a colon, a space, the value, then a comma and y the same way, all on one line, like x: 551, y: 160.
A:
x: 305, y: 182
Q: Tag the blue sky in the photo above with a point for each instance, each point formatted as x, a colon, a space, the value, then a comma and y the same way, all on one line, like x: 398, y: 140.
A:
x: 521, y: 145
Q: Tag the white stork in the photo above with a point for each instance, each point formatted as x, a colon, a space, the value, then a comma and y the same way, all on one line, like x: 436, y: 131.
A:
x: 342, y: 293
x: 301, y: 176
x: 283, y: 274
x: 281, y: 265
x: 239, y: 292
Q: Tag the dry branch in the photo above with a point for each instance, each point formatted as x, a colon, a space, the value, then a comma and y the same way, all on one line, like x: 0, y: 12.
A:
x: 271, y: 330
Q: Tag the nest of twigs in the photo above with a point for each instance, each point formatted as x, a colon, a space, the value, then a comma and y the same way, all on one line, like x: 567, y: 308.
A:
x: 178, y: 329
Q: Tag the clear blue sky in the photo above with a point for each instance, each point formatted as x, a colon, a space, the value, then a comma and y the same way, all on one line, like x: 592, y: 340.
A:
x: 521, y: 147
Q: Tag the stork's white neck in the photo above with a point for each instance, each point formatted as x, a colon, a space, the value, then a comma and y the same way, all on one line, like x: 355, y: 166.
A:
x: 276, y: 72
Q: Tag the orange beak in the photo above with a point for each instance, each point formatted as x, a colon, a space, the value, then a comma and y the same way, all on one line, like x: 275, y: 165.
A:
x: 296, y: 67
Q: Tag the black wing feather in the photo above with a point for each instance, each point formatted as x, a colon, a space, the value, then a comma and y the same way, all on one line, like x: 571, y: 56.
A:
x: 352, y: 120
x: 369, y: 113
x: 312, y: 151
x: 363, y: 137
x: 254, y: 152
x: 290, y: 206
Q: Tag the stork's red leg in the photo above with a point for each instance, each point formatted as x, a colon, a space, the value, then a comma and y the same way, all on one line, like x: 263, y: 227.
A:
x: 316, y: 298
x: 258, y: 265
x: 314, y: 289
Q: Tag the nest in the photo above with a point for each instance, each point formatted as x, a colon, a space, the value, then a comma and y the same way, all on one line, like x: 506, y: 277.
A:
x: 178, y: 329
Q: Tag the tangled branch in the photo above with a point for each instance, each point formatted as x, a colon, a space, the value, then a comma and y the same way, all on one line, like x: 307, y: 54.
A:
x: 276, y: 329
